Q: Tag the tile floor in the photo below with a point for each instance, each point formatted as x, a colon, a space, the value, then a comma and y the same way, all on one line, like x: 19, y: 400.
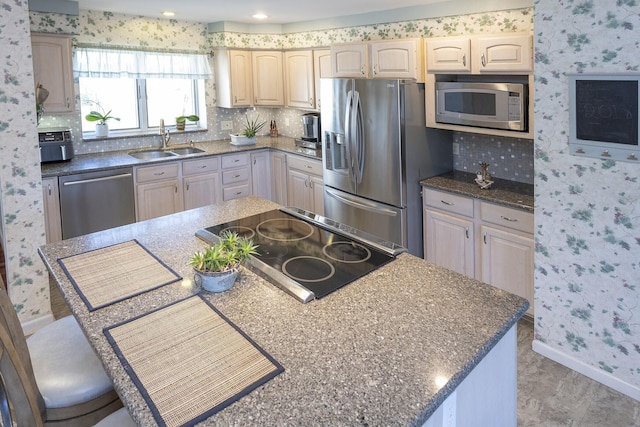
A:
x: 551, y: 395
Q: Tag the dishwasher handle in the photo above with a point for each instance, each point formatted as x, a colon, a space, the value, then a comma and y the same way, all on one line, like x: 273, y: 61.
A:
x: 104, y: 178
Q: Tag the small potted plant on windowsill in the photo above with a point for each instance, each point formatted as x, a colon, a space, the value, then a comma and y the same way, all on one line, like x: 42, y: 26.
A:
x: 216, y: 268
x: 248, y: 135
x: 181, y: 121
x: 102, y: 127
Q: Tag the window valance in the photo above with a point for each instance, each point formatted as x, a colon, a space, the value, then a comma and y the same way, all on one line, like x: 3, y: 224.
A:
x: 119, y: 63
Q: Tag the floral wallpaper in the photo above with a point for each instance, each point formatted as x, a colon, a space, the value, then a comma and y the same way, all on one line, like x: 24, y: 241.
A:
x: 587, y: 260
x: 20, y: 183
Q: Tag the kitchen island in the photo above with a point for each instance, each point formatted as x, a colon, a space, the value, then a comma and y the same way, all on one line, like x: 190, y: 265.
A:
x: 387, y: 349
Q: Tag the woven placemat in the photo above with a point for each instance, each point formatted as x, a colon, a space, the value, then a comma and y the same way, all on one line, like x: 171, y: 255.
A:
x: 189, y: 361
x: 114, y: 273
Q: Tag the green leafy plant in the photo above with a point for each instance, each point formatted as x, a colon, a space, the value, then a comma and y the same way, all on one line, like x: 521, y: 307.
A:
x: 225, y: 255
x: 99, y: 115
x: 252, y: 127
x: 191, y: 118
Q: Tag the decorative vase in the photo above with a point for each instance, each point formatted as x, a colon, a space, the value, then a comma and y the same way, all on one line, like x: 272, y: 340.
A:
x: 242, y: 140
x: 180, y: 125
x: 215, y: 281
x: 102, y: 129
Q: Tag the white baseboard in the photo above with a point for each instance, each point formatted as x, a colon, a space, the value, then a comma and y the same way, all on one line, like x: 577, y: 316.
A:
x: 592, y: 372
x: 33, y: 325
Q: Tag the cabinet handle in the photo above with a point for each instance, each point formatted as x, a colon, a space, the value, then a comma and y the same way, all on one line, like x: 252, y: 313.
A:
x: 305, y: 183
x: 254, y: 161
x: 236, y: 160
x: 446, y: 203
x: 318, y: 102
x: 49, y: 186
x: 158, y: 173
x: 68, y: 103
x: 464, y: 60
x: 235, y: 99
x: 310, y: 102
x: 506, y: 218
x: 238, y: 193
x: 375, y: 69
x: 308, y: 166
x: 310, y: 183
x: 362, y: 70
x: 483, y: 60
x: 605, y: 153
x: 176, y: 188
x: 236, y: 176
x: 187, y: 187
x: 202, y: 167
x: 485, y: 238
x: 466, y: 232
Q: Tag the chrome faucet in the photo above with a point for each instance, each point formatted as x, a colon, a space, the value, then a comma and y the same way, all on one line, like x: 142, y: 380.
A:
x: 165, y: 135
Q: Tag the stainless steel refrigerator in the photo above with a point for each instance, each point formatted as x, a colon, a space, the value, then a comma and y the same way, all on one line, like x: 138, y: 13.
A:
x: 376, y: 148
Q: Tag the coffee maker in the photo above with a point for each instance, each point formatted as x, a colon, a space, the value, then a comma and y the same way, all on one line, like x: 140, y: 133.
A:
x: 310, y: 131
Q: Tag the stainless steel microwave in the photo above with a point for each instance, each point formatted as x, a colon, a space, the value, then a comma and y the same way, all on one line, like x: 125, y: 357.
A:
x: 488, y: 105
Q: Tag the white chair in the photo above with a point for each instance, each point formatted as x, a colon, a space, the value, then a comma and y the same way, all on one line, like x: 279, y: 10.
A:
x: 53, y: 378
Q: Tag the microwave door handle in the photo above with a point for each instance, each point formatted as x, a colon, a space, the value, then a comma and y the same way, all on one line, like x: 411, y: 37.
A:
x: 347, y: 132
x: 359, y: 139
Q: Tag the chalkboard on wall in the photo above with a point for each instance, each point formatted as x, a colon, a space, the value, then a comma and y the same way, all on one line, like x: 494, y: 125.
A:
x: 604, y: 115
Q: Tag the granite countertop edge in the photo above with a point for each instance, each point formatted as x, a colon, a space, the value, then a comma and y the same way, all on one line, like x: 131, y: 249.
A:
x: 503, y: 192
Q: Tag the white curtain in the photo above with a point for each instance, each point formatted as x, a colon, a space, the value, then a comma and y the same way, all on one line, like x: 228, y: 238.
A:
x: 95, y: 62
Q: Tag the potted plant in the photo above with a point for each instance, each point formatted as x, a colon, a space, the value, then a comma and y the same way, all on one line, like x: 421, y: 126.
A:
x: 102, y: 128
x: 216, y: 268
x: 181, y: 121
x: 248, y: 135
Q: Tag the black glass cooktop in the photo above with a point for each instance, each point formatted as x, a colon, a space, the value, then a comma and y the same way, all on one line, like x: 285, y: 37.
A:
x: 300, y: 255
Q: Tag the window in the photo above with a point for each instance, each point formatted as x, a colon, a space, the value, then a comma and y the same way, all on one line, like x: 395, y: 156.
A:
x: 140, y: 88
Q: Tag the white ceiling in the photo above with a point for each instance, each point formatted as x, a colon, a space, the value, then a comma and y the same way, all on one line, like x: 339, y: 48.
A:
x: 279, y: 11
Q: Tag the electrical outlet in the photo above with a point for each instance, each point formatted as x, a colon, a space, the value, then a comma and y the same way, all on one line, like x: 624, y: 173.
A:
x: 456, y: 148
x: 226, y: 125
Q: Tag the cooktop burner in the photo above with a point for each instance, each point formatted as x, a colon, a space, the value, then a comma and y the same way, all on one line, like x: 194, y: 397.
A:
x: 307, y: 255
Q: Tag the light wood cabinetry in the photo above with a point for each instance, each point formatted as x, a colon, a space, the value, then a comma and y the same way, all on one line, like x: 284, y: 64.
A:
x: 299, y: 79
x: 200, y: 182
x: 261, y: 173
x: 511, y: 53
x: 52, y: 69
x: 489, y: 242
x: 393, y: 59
x: 51, y: 205
x: 305, y: 187
x: 236, y: 176
x: 321, y: 70
x: 158, y: 190
x: 268, y: 78
x: 279, y: 178
x: 234, y: 78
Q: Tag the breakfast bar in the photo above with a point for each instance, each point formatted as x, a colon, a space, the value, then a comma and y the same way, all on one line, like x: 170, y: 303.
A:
x: 386, y: 349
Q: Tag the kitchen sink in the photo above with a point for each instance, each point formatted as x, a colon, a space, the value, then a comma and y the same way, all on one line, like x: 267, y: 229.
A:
x: 151, y: 154
x: 182, y: 151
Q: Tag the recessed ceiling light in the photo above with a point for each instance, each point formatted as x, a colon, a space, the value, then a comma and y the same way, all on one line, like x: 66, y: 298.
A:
x: 168, y: 13
x: 259, y: 15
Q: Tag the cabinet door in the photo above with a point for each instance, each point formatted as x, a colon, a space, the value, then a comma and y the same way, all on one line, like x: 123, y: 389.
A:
x: 396, y: 60
x: 52, y: 220
x: 52, y: 69
x: 298, y: 186
x: 279, y: 178
x: 321, y: 70
x: 201, y: 190
x: 261, y: 174
x: 317, y: 194
x: 503, y: 53
x: 448, y: 241
x: 158, y: 198
x: 507, y: 261
x: 240, y: 69
x: 350, y: 60
x: 268, y: 79
x: 299, y: 86
x: 448, y: 54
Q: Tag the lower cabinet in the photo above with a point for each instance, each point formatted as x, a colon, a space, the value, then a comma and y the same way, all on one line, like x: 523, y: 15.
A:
x: 305, y: 187
x: 479, y: 239
x: 51, y: 205
x: 261, y: 173
x: 236, y: 176
x: 279, y: 178
x: 158, y: 190
x: 200, y: 182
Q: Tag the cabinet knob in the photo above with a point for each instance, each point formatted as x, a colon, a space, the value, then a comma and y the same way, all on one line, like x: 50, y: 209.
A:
x: 605, y: 153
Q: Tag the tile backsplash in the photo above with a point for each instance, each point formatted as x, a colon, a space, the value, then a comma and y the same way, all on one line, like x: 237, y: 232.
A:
x: 508, y: 158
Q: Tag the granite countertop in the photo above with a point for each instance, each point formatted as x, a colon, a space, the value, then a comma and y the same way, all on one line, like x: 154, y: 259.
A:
x: 121, y: 159
x: 504, y: 192
x: 367, y: 354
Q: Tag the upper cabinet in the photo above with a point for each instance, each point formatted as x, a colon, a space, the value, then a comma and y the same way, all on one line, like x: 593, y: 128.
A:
x: 394, y: 59
x: 321, y: 70
x: 299, y: 79
x: 268, y: 80
x: 52, y: 69
x: 511, y: 53
x: 245, y: 78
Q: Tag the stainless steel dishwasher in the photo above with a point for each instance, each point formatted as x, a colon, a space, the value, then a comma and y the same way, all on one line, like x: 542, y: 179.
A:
x: 96, y: 201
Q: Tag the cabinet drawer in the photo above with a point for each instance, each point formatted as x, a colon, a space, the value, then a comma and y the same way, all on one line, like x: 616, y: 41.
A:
x: 235, y: 192
x: 194, y: 167
x: 507, y: 217
x: 235, y: 175
x: 313, y: 167
x: 448, y: 202
x: 235, y: 160
x: 156, y: 173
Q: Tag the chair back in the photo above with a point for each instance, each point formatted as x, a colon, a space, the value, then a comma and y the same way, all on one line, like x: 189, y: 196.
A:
x: 20, y: 399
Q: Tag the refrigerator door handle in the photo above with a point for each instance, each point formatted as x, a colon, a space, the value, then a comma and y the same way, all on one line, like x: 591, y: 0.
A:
x: 367, y: 207
x: 348, y: 133
x: 359, y: 143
